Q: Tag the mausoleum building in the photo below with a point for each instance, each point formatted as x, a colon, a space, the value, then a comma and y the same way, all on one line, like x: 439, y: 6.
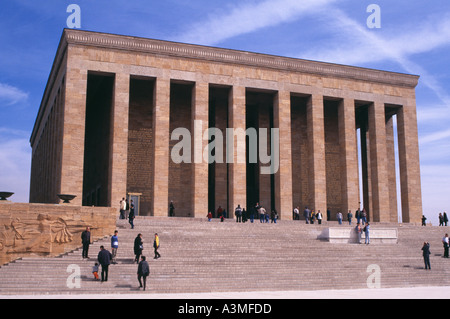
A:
x: 108, y: 122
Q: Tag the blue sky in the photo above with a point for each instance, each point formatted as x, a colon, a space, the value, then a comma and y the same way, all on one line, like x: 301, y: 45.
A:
x: 414, y: 38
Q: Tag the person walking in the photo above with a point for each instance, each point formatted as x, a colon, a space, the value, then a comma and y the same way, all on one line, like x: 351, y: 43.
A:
x: 426, y: 255
x: 114, y: 246
x: 156, y: 246
x: 104, y: 259
x: 143, y: 272
x: 367, y: 233
x: 445, y: 242
x: 445, y: 217
x: 307, y: 214
x: 209, y: 216
x: 86, y: 241
x: 138, y: 247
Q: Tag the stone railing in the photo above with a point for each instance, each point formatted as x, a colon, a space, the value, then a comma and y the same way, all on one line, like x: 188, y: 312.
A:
x: 49, y: 230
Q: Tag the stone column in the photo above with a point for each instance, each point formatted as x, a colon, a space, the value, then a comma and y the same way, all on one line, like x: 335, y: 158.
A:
x: 392, y: 179
x: 316, y: 154
x: 200, y: 116
x: 349, y: 156
x: 117, y: 187
x: 409, y: 161
x: 237, y: 169
x: 283, y: 177
x: 161, y: 138
x: 378, y: 164
x: 74, y: 109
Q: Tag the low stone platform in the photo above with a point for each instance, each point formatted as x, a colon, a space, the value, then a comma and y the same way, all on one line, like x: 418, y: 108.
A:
x: 348, y: 235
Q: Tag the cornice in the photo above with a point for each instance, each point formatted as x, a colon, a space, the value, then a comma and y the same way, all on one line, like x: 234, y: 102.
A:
x: 228, y: 56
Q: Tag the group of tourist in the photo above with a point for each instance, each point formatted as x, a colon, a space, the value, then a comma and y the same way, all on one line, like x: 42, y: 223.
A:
x: 242, y: 215
x: 105, y: 258
x: 443, y: 219
x: 127, y: 211
x: 426, y: 250
x: 310, y: 216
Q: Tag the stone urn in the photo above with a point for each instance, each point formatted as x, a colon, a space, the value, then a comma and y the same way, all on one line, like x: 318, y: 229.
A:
x: 5, y: 195
x: 66, y: 198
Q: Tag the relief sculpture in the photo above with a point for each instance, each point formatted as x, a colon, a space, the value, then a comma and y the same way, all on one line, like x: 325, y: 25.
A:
x: 37, y: 236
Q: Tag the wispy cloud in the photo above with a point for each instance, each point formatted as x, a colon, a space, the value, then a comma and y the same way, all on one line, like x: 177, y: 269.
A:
x: 11, y: 95
x: 364, y: 45
x: 434, y: 137
x: 248, y: 17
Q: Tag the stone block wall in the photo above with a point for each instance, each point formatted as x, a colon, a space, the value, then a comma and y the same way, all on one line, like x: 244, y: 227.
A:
x: 49, y: 230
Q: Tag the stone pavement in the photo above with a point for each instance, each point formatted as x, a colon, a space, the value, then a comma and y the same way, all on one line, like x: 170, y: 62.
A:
x: 382, y: 293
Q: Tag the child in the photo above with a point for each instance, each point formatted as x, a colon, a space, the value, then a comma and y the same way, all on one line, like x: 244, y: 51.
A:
x: 95, y: 271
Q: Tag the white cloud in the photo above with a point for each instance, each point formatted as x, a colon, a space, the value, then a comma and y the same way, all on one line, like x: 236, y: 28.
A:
x: 11, y: 95
x: 247, y: 18
x: 437, y: 136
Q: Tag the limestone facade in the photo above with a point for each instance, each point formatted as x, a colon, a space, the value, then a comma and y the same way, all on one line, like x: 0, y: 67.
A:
x: 112, y: 103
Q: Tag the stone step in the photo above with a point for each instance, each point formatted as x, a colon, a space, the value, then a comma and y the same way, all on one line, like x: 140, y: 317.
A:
x: 199, y: 256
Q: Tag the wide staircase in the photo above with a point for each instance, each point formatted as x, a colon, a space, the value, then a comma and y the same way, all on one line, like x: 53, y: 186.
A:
x: 202, y: 256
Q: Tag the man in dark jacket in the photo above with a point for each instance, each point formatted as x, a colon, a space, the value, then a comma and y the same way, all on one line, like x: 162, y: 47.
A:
x: 143, y: 272
x: 104, y: 258
x: 86, y: 241
x: 426, y: 254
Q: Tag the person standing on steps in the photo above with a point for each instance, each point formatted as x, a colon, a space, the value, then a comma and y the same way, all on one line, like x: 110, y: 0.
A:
x: 171, y: 209
x: 367, y: 233
x: 143, y: 272
x: 445, y: 242
x: 104, y: 259
x: 131, y: 215
x: 426, y: 255
x: 122, y: 208
x: 138, y: 247
x: 319, y: 217
x: 156, y: 246
x: 358, y: 232
x: 238, y: 214
x: 339, y: 218
x: 86, y: 241
x: 114, y: 246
